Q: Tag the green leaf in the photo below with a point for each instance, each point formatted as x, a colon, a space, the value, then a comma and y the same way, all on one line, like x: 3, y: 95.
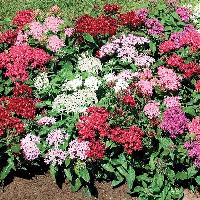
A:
x: 88, y: 38
x: 53, y: 171
x: 130, y: 178
x: 191, y: 171
x: 76, y: 185
x: 7, y: 169
x: 85, y: 174
x: 190, y: 110
x: 67, y: 162
x: 15, y: 148
x: 152, y: 46
x: 68, y: 174
x: 181, y: 176
x: 108, y: 167
x: 197, y: 179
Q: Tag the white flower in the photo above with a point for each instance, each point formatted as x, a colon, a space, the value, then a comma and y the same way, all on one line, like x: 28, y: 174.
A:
x: 89, y: 63
x: 110, y: 77
x: 120, y: 85
x: 92, y: 83
x: 41, y: 81
x: 76, y: 102
x: 72, y: 85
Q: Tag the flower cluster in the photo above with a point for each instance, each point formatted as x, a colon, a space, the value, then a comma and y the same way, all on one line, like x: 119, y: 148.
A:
x: 78, y: 149
x: 18, y: 59
x: 46, y: 121
x: 56, y: 137
x: 193, y: 151
x: 154, y: 26
x: 23, y: 17
x: 75, y: 102
x: 29, y: 147
x: 89, y: 63
x: 184, y: 13
x: 55, y: 43
x: 96, y: 26
x: 174, y: 121
x: 189, y: 69
x: 194, y: 127
x: 111, y: 8
x: 55, y: 156
x: 168, y: 79
x: 125, y: 47
x: 41, y: 82
x: 152, y: 110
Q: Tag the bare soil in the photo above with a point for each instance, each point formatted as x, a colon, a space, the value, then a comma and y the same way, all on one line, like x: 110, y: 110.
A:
x: 42, y: 187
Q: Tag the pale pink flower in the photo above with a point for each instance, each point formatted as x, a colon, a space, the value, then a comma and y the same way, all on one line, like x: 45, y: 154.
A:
x: 55, y: 43
x: 69, y: 32
x: 52, y: 23
x: 152, y: 110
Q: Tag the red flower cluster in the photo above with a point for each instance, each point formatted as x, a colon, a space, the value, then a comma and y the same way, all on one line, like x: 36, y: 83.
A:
x: 96, y: 122
x: 23, y: 17
x: 101, y: 25
x: 188, y: 37
x: 19, y: 58
x: 130, y: 18
x: 8, y: 37
x: 111, y: 8
x: 129, y: 100
x: 130, y: 139
x: 97, y: 150
x: 22, y: 90
x: 7, y: 122
x: 189, y: 69
x: 21, y: 106
x: 197, y: 86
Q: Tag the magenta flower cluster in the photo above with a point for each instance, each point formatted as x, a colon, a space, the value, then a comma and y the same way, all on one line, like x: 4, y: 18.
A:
x: 174, y: 121
x: 154, y: 26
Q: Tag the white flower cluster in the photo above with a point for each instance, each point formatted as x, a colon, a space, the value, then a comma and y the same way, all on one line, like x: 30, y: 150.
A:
x: 89, y: 63
x: 41, y: 81
x: 120, y: 85
x: 73, y: 85
x: 76, y: 102
x: 195, y: 17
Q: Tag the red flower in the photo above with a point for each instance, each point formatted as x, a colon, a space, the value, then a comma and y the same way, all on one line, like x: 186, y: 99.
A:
x: 22, y: 90
x: 129, y: 100
x: 111, y: 8
x: 97, y: 150
x: 23, y: 17
x: 8, y: 37
x: 197, y: 86
x: 96, y: 26
x: 18, y: 59
x: 167, y: 46
x: 130, y: 18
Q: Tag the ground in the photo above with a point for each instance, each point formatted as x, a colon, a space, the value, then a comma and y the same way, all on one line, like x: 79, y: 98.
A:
x: 42, y: 187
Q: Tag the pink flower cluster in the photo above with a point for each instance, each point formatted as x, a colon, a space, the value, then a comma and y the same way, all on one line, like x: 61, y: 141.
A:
x: 194, y: 127
x: 174, y: 121
x: 193, y: 148
x: 55, y: 156
x: 46, y: 121
x: 152, y: 109
x: 78, y: 149
x: 184, y: 13
x: 55, y: 43
x: 145, y: 87
x: 168, y: 80
x: 56, y: 137
x: 125, y: 47
x: 172, y: 102
x: 36, y: 30
x: 29, y: 147
x: 18, y: 59
x: 52, y: 23
x: 154, y: 26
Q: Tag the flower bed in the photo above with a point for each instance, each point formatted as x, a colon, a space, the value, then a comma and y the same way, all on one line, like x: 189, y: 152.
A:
x: 115, y: 98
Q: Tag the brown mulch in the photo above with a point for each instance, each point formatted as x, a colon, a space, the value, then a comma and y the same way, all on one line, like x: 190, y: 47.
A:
x: 43, y: 188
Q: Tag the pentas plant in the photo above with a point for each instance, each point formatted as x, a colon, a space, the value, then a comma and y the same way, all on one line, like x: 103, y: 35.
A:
x: 115, y: 97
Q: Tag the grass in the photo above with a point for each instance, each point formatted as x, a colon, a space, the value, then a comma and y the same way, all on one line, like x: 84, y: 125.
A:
x: 71, y: 9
